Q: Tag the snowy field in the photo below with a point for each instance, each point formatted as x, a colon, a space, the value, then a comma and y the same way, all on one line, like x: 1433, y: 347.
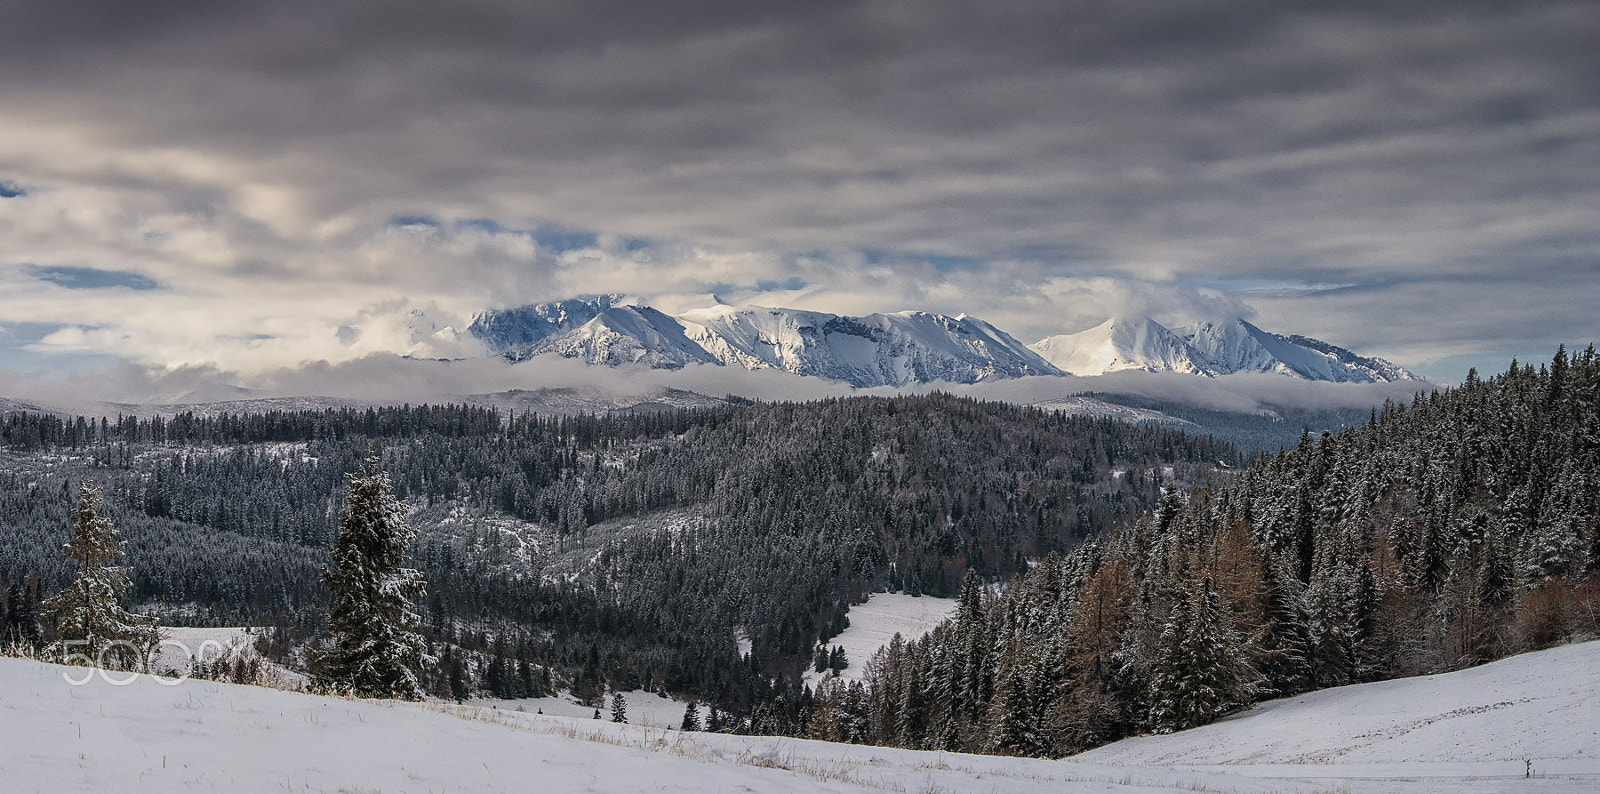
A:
x: 1461, y: 732
x: 1542, y: 707
x: 874, y: 624
x: 647, y: 709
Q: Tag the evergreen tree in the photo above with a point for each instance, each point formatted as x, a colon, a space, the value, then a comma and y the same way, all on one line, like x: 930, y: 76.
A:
x: 619, y: 708
x: 1010, y: 729
x: 1202, y: 669
x: 691, y: 717
x: 377, y: 652
x: 85, y: 620
x: 21, y: 624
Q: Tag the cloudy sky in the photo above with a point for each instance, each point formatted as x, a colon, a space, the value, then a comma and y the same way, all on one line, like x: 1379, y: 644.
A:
x: 246, y: 186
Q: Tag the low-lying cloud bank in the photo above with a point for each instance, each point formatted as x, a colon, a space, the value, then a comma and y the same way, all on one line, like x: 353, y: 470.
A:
x: 384, y: 378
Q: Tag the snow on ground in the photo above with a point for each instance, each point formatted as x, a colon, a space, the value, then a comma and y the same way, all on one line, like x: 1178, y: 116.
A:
x: 874, y: 624
x: 206, y: 736
x: 1460, y: 732
x: 182, y: 646
x: 647, y: 709
x: 1543, y: 707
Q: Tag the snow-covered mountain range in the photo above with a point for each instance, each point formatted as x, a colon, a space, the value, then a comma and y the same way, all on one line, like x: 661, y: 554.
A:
x: 876, y: 350
x: 902, y: 348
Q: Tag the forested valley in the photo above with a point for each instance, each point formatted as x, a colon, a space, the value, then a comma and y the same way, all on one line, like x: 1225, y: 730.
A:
x: 596, y: 551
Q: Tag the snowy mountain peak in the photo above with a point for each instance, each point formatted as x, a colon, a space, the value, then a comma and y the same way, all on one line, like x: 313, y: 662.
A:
x: 509, y: 330
x: 1138, y: 343
x: 1236, y: 345
x: 626, y: 335
x: 1210, y: 348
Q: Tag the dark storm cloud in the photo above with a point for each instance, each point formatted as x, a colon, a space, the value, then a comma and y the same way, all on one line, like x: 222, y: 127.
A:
x: 980, y: 157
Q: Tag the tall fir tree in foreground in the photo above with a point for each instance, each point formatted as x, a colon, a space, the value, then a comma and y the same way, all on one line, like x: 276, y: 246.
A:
x: 377, y: 652
x: 85, y: 620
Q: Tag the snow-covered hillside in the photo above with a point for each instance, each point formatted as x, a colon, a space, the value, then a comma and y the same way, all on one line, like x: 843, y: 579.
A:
x: 570, y: 400
x: 1542, y: 707
x: 15, y: 406
x: 1461, y: 732
x: 1080, y: 405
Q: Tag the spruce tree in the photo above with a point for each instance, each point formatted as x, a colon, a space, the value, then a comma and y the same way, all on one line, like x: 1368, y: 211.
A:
x: 691, y: 718
x: 1202, y: 669
x: 619, y: 708
x: 85, y: 620
x: 377, y: 652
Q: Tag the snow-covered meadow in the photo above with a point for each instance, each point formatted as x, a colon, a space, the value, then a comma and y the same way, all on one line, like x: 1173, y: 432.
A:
x: 874, y: 624
x: 1468, y: 731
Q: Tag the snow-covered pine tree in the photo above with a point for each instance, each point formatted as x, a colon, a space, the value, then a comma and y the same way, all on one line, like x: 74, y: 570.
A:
x: 1010, y: 720
x: 619, y: 708
x: 377, y: 652
x: 85, y: 620
x: 837, y: 660
x: 1202, y: 668
x: 691, y: 717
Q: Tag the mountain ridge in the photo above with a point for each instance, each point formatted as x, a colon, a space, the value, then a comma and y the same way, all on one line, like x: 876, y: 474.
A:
x: 903, y: 348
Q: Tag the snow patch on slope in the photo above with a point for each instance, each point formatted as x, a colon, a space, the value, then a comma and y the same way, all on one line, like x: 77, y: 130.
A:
x: 874, y: 624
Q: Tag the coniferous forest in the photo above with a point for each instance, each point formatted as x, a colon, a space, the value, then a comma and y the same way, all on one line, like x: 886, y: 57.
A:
x: 1452, y: 531
x: 1113, y: 579
x: 594, y: 552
